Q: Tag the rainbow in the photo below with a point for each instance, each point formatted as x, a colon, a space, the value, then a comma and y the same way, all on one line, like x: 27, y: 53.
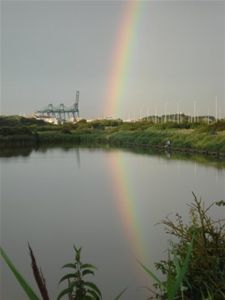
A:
x: 121, y: 57
x: 127, y: 205
x: 121, y: 61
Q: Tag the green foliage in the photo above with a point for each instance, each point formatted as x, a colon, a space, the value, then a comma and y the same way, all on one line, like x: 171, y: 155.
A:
x: 58, y: 137
x: 97, y: 125
x: 23, y: 283
x: 173, y: 284
x: 205, y: 274
x: 17, y: 121
x: 218, y: 126
x: 184, y: 135
x: 9, y: 131
x: 109, y: 122
x: 82, y: 124
x: 66, y: 131
x: 78, y: 288
x: 174, y: 125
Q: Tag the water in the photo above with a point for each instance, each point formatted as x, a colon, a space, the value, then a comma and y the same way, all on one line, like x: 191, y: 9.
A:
x: 105, y: 200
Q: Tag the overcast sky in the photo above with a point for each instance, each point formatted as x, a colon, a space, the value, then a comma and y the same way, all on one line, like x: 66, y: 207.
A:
x: 51, y: 48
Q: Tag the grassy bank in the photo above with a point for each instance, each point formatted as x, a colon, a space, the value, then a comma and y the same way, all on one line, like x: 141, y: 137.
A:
x: 185, y: 137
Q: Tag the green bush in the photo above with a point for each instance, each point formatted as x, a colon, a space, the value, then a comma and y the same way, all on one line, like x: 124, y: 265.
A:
x: 205, y: 276
x: 8, y: 131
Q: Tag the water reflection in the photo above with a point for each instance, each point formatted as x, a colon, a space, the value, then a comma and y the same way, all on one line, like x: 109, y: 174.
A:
x: 15, y: 152
x: 215, y: 162
x: 106, y: 200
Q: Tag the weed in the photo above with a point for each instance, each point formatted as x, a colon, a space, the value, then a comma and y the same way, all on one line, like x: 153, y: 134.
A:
x: 205, y: 276
x: 78, y: 288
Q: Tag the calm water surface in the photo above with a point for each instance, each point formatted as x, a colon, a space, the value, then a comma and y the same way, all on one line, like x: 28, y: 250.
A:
x: 107, y: 201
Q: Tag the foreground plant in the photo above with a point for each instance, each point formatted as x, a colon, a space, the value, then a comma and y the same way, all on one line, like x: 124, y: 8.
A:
x: 78, y: 288
x: 23, y: 283
x: 170, y: 288
x: 38, y: 276
x: 204, y: 265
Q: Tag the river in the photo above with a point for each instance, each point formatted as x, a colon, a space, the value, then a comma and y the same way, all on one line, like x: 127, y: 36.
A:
x: 106, y: 200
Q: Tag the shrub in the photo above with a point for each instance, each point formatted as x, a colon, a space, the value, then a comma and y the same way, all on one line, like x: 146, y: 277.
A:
x: 66, y: 131
x: 205, y: 277
x: 8, y: 131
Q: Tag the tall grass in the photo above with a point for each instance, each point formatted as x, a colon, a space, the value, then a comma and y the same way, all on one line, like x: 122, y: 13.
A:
x: 23, y: 283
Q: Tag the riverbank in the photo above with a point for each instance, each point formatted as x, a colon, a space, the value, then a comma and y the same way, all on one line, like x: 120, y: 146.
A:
x: 200, y: 138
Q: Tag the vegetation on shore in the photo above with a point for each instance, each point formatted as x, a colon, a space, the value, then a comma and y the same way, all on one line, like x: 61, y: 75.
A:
x: 183, y: 136
x: 194, y: 269
x: 199, y: 252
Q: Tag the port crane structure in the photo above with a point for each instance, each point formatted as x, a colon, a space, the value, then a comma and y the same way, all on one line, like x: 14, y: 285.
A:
x: 60, y: 113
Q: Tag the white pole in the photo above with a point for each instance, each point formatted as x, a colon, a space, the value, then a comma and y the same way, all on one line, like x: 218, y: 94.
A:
x: 180, y: 112
x: 197, y: 119
x: 178, y: 119
x: 194, y: 111
x: 216, y: 108
x: 165, y: 111
x: 208, y: 115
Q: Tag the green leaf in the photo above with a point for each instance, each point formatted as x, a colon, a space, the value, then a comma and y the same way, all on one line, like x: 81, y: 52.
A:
x: 120, y: 294
x: 183, y: 269
x: 176, y: 263
x: 69, y: 266
x: 88, y: 266
x: 67, y: 276
x: 151, y: 274
x: 26, y: 287
x: 86, y: 272
x: 93, y: 287
x: 93, y: 294
x: 170, y: 286
x: 65, y: 292
x: 223, y: 294
x: 76, y: 249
